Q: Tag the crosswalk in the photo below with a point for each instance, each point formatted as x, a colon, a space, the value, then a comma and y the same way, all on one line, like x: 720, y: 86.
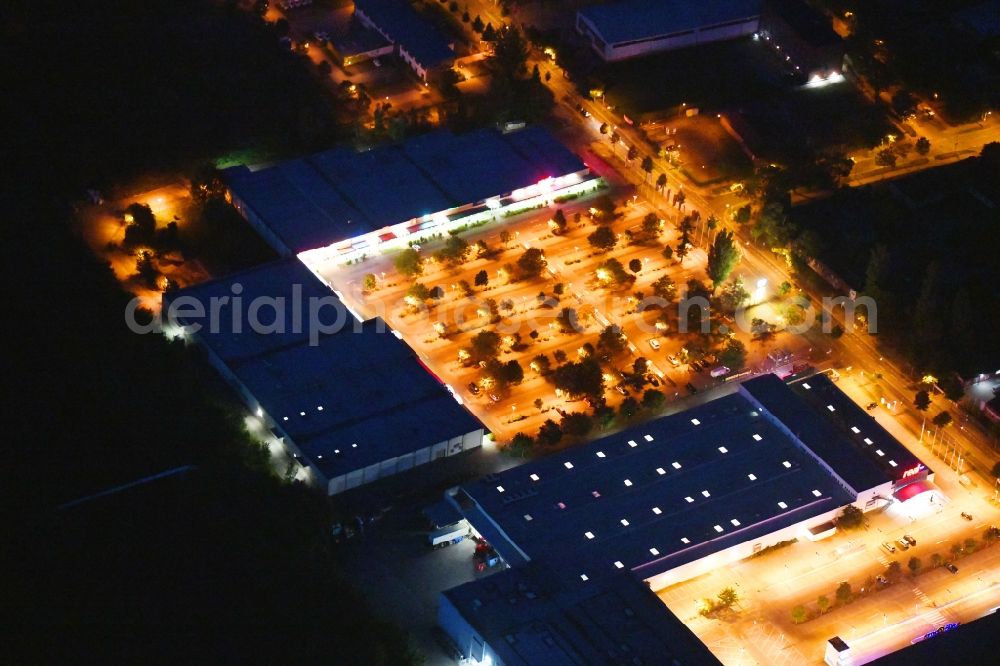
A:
x: 932, y: 615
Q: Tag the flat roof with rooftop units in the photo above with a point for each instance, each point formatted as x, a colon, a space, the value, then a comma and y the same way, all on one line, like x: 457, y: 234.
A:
x: 351, y: 403
x: 684, y: 494
x: 334, y: 204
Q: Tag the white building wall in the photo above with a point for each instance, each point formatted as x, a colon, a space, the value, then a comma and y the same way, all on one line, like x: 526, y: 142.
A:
x: 679, y: 40
x: 471, y: 644
x: 371, y: 244
x: 724, y: 558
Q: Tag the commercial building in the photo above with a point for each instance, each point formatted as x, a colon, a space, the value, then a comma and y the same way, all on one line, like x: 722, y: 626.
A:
x: 685, y: 494
x: 356, y: 43
x: 332, y: 206
x: 347, y: 399
x: 804, y: 38
x: 528, y: 616
x: 632, y: 28
x: 418, y: 41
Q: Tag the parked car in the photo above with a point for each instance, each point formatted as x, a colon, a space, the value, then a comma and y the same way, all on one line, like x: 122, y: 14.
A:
x: 903, y: 545
x: 910, y: 540
x: 653, y: 380
x: 696, y: 366
x: 951, y: 567
x: 673, y: 360
x: 473, y: 388
x: 871, y: 405
x: 654, y: 343
x: 888, y: 547
x: 967, y: 516
x: 690, y: 387
x: 882, y: 580
x: 494, y: 397
x: 621, y: 389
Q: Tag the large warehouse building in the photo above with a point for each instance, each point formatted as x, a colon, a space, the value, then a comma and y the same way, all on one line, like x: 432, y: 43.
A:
x: 632, y: 28
x: 333, y: 206
x: 527, y: 616
x: 348, y: 400
x: 688, y: 493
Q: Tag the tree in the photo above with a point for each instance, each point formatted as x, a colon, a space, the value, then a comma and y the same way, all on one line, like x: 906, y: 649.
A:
x: 583, y: 378
x: 577, y: 424
x: 922, y: 401
x: 914, y: 565
x: 927, y: 328
x: 489, y: 33
x: 531, y: 263
x: 612, y: 339
x: 851, y: 517
x: 511, y: 53
x: 640, y: 366
x: 632, y: 153
x: 844, y: 593
x: 665, y: 288
x: 956, y: 550
x: 651, y: 225
x: 635, y: 265
x: 661, y: 181
x: 952, y: 387
x: 722, y: 258
x: 923, y: 146
x: 477, y: 24
x: 734, y: 355
x: 409, y: 263
x: 510, y: 372
x: 647, y: 166
x: 559, y: 218
x: 772, y: 228
x: 466, y: 288
x: 684, y: 244
x: 653, y: 399
x: 324, y: 68
x: 942, y: 420
x: 482, y: 279
x: 823, y: 603
x: 742, y: 214
x: 603, y: 239
x: 894, y: 571
x: 417, y: 294
x: 604, y: 128
x: 146, y: 269
x: 612, y: 272
x: 629, y: 408
x: 734, y: 296
x: 521, y: 443
x: 550, y: 433
x: 886, y: 158
x: 971, y: 546
x: 485, y: 346
x: 996, y: 471
x: 615, y: 138
x: 728, y: 597
x: 140, y: 225
x: 799, y: 614
x: 667, y: 252
x: 505, y: 237
x: 937, y: 560
x: 370, y: 282
x: 568, y: 321
x: 541, y: 364
x: 454, y: 252
x: 559, y: 355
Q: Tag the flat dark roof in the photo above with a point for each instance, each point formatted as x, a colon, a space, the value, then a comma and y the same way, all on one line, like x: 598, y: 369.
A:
x: 356, y: 397
x: 849, y: 421
x: 732, y: 477
x: 337, y: 194
x: 406, y: 27
x: 640, y: 19
x: 527, y: 617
